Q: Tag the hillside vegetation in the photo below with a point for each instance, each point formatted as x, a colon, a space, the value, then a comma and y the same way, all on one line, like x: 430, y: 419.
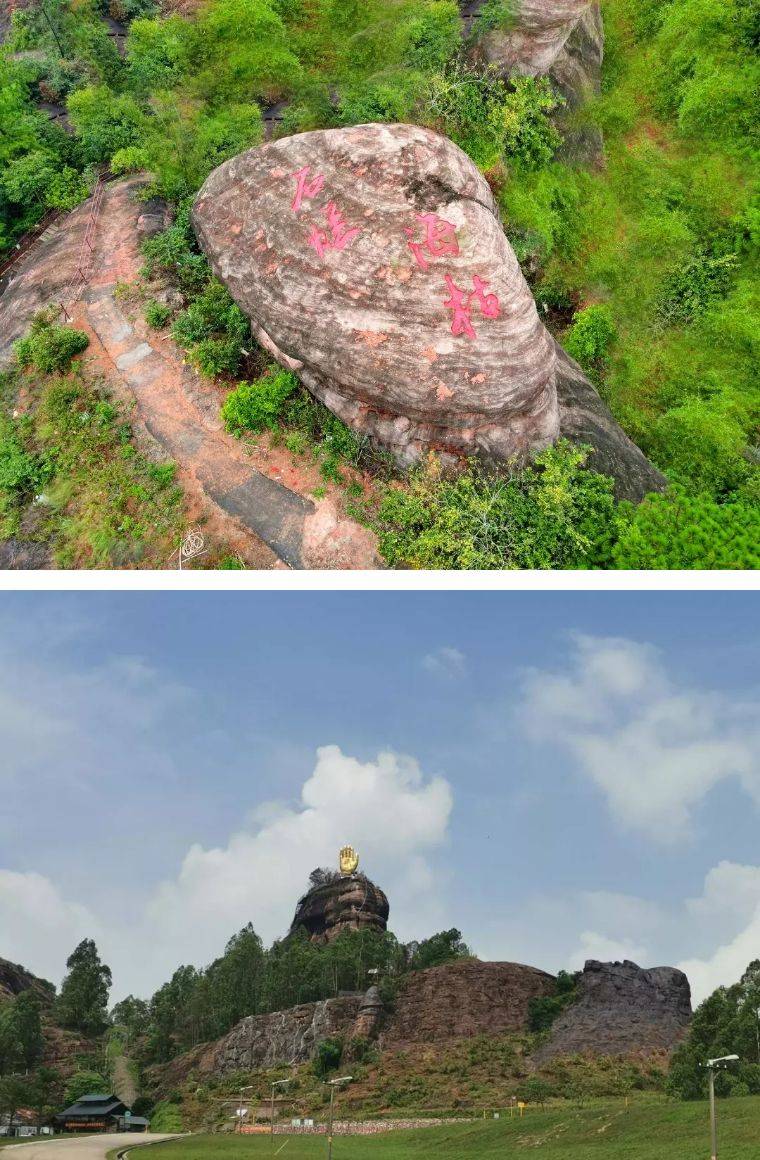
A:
x: 646, y: 267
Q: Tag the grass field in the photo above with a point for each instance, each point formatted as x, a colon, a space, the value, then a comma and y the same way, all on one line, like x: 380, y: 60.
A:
x: 648, y: 1130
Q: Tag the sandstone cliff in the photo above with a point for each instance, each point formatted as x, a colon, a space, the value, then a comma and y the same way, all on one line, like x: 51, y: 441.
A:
x: 622, y: 1009
x: 462, y: 999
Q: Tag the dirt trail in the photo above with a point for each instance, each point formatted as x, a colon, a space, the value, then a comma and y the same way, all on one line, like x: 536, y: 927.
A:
x: 123, y: 1080
x: 262, y: 493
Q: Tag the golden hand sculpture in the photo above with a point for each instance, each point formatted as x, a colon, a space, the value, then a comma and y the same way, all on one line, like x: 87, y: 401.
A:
x: 349, y: 860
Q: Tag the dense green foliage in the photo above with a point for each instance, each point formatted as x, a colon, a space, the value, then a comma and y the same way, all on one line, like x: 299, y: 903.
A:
x: 726, y: 1023
x: 71, y: 474
x: 551, y: 514
x: 21, y: 1041
x: 49, y: 347
x: 83, y: 999
x: 258, y: 405
x: 544, y: 1009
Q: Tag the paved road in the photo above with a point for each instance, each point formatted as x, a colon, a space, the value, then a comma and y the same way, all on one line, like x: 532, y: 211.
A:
x: 80, y: 1147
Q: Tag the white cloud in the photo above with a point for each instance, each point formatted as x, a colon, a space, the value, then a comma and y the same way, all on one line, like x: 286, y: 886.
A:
x: 446, y: 662
x: 653, y: 749
x: 40, y: 927
x: 386, y: 808
x: 730, y: 907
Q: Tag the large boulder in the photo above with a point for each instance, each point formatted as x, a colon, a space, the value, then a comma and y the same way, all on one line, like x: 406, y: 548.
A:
x: 622, y: 1009
x: 371, y: 260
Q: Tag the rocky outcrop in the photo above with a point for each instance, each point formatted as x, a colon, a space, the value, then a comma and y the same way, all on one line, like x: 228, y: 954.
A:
x: 371, y: 261
x: 564, y: 41
x: 14, y: 979
x: 462, y: 999
x: 622, y: 1009
x: 288, y: 1036
x: 344, y: 902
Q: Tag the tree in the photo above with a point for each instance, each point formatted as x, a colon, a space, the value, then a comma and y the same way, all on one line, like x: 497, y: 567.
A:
x: 536, y: 1090
x: 14, y: 1094
x: 45, y: 1093
x: 21, y: 1041
x: 83, y: 999
x: 133, y: 1015
x: 444, y: 947
x: 81, y: 1083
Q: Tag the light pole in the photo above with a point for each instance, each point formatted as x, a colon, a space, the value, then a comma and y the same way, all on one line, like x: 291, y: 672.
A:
x: 275, y: 1083
x: 712, y: 1064
x: 332, y: 1084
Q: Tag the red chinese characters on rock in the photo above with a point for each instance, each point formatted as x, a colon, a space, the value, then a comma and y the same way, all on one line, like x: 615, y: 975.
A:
x: 306, y: 188
x: 440, y: 238
x: 461, y: 305
x: 338, y: 234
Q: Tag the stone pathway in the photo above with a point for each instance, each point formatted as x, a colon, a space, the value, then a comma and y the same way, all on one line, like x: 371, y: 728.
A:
x: 174, y: 404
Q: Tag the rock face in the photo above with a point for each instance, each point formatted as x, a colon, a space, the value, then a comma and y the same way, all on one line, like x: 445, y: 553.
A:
x: 15, y: 979
x: 345, y: 902
x: 458, y: 1000
x: 564, y: 41
x: 372, y: 262
x: 288, y: 1036
x: 622, y: 1009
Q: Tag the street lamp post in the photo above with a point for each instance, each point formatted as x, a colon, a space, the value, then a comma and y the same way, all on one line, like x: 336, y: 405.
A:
x: 275, y: 1083
x: 332, y: 1084
x: 712, y: 1064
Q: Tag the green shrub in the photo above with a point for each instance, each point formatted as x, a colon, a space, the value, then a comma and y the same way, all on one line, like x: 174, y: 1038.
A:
x: 676, y: 530
x: 433, y: 36
x: 550, y: 514
x: 20, y: 472
x: 49, y: 347
x: 591, y: 338
x: 690, y: 289
x: 328, y: 1056
x: 213, y: 330
x: 702, y: 445
x: 157, y: 314
x: 258, y: 405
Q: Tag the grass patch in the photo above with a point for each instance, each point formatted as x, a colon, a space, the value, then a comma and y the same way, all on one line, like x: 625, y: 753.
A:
x: 647, y: 1130
x: 81, y: 484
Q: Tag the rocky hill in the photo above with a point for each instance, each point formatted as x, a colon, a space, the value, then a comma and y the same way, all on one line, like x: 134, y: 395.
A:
x: 622, y: 1009
x: 463, y: 999
x: 14, y: 979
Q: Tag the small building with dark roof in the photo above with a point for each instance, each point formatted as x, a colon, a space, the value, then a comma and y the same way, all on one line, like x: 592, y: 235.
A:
x: 92, y: 1113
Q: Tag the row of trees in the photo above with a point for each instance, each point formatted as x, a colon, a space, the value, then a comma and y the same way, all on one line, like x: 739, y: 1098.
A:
x: 197, y: 1005
x: 726, y: 1023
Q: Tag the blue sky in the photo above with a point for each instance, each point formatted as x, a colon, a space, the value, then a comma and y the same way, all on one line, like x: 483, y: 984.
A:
x: 560, y: 775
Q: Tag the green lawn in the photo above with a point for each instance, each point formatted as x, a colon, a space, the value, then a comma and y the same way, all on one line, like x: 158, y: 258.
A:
x: 648, y: 1130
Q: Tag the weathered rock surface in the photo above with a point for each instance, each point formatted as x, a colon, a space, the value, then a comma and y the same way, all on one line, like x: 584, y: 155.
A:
x: 564, y: 41
x: 14, y: 979
x: 622, y: 1009
x: 458, y: 1000
x: 345, y: 902
x: 288, y: 1036
x: 371, y: 260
